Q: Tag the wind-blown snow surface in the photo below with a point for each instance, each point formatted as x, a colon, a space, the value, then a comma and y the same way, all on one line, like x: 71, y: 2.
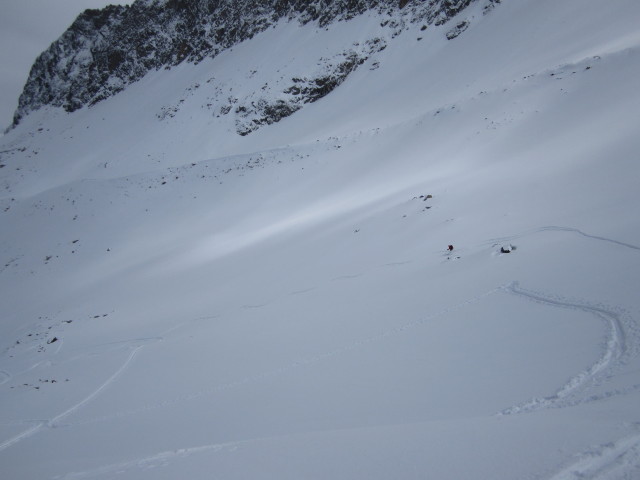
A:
x: 179, y: 301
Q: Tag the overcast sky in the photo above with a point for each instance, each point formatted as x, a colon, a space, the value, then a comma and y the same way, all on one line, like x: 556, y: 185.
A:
x: 27, y: 28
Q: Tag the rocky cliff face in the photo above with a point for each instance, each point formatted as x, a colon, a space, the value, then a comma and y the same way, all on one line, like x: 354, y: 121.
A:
x: 105, y: 50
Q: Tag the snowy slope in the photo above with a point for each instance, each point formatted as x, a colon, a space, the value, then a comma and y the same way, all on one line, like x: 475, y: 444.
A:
x: 181, y: 301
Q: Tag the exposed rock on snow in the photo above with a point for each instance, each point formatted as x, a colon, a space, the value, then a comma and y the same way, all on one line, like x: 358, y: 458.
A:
x: 457, y: 30
x: 105, y: 50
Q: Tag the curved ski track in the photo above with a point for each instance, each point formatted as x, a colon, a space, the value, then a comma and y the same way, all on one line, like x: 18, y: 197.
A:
x: 620, y: 459
x: 303, y: 362
x: 622, y: 343
x: 54, y: 422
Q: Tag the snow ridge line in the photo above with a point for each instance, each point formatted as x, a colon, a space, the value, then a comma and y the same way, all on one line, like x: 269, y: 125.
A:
x: 620, y: 345
x: 54, y: 422
x: 291, y: 366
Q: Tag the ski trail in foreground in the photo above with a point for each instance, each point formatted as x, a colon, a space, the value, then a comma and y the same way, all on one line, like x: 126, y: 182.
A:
x: 296, y: 364
x: 151, y: 461
x: 53, y: 422
x: 621, y: 344
x: 612, y: 461
x: 622, y: 456
x: 617, y: 460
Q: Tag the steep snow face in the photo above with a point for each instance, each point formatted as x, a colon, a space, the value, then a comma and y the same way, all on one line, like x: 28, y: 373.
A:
x: 106, y: 50
x: 180, y: 300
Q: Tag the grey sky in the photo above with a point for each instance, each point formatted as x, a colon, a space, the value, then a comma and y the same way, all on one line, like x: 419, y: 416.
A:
x: 27, y: 27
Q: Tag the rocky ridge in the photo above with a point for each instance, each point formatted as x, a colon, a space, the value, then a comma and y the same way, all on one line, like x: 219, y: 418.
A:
x: 105, y: 50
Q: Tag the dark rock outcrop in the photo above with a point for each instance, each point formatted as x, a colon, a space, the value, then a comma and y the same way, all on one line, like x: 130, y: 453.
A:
x: 105, y: 50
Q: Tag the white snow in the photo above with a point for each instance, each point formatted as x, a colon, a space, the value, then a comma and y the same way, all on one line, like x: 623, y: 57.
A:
x: 283, y: 304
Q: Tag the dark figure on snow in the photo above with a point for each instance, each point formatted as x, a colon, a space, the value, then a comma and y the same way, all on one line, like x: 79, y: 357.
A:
x: 450, y: 248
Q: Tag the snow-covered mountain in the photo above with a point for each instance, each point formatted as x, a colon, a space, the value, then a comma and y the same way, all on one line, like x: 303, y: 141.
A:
x: 106, y: 50
x: 225, y: 249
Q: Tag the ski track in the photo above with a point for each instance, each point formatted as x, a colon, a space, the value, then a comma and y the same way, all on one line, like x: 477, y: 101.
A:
x: 623, y: 340
x: 54, y: 422
x: 300, y: 363
x: 102, y: 348
x: 616, y: 351
x: 564, y: 229
x: 622, y: 344
x: 151, y: 461
x: 254, y: 306
x: 396, y: 264
x: 347, y: 277
x: 620, y: 459
x: 300, y: 292
x: 612, y: 461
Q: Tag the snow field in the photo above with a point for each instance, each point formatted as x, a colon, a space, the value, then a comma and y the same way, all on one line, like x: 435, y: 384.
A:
x: 283, y: 304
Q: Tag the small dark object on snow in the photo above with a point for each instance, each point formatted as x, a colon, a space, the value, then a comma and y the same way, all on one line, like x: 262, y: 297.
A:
x: 450, y: 248
x: 54, y: 339
x: 507, y: 249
